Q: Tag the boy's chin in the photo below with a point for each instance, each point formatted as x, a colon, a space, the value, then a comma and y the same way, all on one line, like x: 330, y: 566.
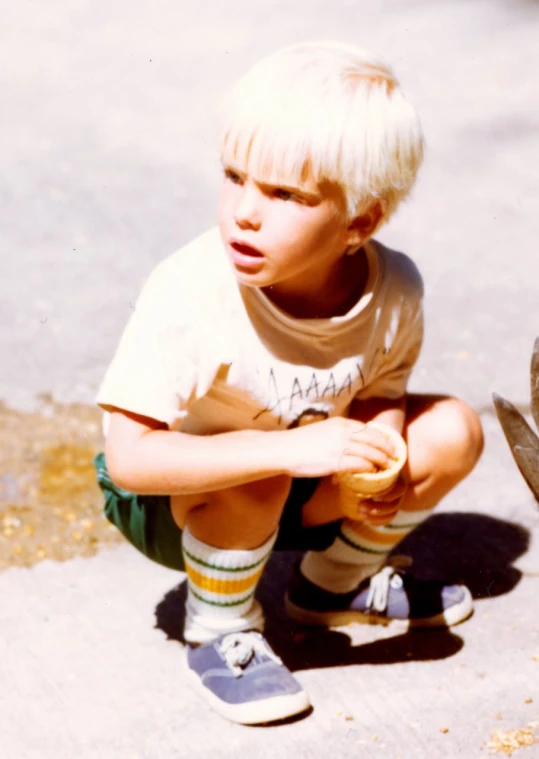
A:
x: 252, y: 279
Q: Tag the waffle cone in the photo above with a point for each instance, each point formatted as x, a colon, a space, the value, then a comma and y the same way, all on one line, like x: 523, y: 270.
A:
x: 368, y: 484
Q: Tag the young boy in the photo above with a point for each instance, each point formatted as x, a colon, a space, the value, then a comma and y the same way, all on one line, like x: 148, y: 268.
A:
x: 255, y: 360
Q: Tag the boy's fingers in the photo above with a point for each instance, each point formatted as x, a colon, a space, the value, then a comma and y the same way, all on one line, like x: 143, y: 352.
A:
x: 361, y: 458
x: 378, y: 458
x: 375, y: 439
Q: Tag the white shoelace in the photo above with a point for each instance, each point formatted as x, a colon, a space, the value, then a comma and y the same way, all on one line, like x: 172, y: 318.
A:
x: 238, y: 650
x: 387, y: 577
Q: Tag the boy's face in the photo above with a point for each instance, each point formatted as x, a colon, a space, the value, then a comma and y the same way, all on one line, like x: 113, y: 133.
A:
x: 280, y: 236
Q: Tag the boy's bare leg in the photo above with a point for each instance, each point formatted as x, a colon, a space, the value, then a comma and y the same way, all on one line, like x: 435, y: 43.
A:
x: 241, y: 517
x: 445, y: 441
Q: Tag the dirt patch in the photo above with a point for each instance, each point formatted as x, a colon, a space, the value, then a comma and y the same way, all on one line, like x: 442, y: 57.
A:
x: 507, y: 742
x: 50, y: 504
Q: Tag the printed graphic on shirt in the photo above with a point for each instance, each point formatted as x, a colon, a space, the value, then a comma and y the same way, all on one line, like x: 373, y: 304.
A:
x: 318, y: 393
x: 315, y: 413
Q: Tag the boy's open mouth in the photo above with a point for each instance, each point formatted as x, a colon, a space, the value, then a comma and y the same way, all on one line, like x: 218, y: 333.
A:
x: 245, y: 250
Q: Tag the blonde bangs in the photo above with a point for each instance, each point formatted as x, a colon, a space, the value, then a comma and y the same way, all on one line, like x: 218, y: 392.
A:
x: 329, y: 113
x: 271, y: 139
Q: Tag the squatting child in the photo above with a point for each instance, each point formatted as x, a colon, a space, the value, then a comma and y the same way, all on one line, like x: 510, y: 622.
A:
x: 252, y: 369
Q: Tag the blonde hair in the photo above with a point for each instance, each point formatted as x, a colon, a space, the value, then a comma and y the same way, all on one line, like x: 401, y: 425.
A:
x: 331, y: 112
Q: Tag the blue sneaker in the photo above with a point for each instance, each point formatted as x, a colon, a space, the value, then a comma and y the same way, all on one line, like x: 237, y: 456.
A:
x: 243, y: 679
x: 387, y: 596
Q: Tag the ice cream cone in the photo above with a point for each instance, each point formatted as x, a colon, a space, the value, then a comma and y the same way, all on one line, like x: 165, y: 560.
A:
x: 357, y: 485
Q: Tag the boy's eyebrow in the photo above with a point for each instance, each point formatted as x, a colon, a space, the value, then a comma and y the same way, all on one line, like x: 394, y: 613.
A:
x: 273, y: 185
x: 294, y: 189
x: 233, y: 169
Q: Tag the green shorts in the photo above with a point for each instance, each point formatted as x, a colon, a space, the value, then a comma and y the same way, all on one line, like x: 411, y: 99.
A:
x: 146, y: 521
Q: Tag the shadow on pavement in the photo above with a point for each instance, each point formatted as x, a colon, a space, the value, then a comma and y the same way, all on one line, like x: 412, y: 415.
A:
x: 473, y: 549
x: 318, y: 648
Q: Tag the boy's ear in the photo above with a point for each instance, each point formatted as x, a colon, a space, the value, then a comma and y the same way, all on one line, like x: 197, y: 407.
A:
x: 363, y: 226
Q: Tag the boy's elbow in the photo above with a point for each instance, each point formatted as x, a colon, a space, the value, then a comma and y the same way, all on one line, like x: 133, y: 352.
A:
x: 121, y: 468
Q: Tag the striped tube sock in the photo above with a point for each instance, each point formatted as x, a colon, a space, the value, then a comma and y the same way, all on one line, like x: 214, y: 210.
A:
x: 221, y: 587
x: 358, y: 552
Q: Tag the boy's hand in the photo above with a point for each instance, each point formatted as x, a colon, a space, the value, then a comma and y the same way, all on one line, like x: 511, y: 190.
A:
x: 336, y: 445
x: 384, y: 508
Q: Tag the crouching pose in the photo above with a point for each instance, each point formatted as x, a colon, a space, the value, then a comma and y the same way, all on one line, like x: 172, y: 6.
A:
x: 252, y: 370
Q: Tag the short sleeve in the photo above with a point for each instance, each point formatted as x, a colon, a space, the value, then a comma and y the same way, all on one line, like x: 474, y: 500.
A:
x: 397, y: 360
x: 153, y: 372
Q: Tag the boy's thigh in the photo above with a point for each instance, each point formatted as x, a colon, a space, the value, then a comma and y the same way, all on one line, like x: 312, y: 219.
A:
x: 440, y: 416
x: 147, y: 521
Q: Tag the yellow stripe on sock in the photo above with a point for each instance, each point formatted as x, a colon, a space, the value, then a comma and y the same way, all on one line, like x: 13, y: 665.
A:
x: 218, y: 585
x: 373, y: 535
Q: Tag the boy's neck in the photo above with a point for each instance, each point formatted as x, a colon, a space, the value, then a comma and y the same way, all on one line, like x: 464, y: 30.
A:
x: 335, y: 295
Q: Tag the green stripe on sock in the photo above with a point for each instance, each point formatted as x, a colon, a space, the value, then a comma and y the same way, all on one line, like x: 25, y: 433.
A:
x: 222, y: 604
x: 202, y: 563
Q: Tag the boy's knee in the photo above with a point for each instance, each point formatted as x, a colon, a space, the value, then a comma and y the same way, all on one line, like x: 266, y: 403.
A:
x: 459, y: 435
x: 269, y: 493
x: 261, y: 500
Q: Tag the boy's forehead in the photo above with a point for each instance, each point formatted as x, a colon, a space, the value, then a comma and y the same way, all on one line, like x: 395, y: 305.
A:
x: 274, y: 174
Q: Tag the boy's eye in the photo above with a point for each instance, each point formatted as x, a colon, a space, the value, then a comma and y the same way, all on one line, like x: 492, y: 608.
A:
x: 282, y: 194
x: 232, y: 176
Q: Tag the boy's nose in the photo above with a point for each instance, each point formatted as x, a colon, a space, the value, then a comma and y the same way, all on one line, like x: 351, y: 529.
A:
x: 247, y: 211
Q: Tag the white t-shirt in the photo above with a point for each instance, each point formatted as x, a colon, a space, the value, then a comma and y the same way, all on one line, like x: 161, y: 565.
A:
x: 206, y: 354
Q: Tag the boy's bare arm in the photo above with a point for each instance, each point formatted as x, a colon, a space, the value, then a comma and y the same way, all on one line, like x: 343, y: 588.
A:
x: 144, y: 457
